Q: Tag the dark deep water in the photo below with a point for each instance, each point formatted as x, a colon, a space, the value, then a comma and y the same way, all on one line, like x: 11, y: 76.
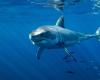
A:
x: 18, y: 55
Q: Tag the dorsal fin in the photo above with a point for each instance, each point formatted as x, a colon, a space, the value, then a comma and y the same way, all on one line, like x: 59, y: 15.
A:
x: 60, y: 22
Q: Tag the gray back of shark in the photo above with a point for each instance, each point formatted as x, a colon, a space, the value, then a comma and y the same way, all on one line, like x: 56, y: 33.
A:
x: 51, y: 37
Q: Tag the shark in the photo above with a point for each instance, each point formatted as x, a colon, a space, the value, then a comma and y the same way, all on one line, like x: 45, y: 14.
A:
x: 58, y: 37
x: 56, y: 4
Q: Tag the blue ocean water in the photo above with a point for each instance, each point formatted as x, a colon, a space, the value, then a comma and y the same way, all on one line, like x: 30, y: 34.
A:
x: 18, y: 55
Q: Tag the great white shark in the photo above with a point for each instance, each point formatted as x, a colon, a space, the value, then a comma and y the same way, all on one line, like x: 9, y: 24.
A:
x: 57, y: 36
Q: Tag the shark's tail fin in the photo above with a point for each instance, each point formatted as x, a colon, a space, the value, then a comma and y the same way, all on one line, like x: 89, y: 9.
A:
x: 98, y: 34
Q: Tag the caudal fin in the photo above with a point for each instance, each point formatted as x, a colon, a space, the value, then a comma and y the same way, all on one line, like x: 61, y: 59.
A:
x: 98, y: 34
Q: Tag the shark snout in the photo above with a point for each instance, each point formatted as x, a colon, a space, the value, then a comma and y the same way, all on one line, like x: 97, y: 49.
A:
x: 35, y: 38
x: 32, y: 37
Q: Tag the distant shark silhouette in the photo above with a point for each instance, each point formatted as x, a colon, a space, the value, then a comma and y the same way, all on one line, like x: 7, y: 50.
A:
x: 57, y: 36
x: 56, y: 4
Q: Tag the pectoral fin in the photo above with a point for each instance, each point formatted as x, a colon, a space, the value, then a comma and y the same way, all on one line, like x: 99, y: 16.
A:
x: 39, y: 52
x: 69, y: 54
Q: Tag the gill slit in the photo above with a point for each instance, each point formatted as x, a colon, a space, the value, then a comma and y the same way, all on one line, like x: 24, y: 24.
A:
x: 60, y: 38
